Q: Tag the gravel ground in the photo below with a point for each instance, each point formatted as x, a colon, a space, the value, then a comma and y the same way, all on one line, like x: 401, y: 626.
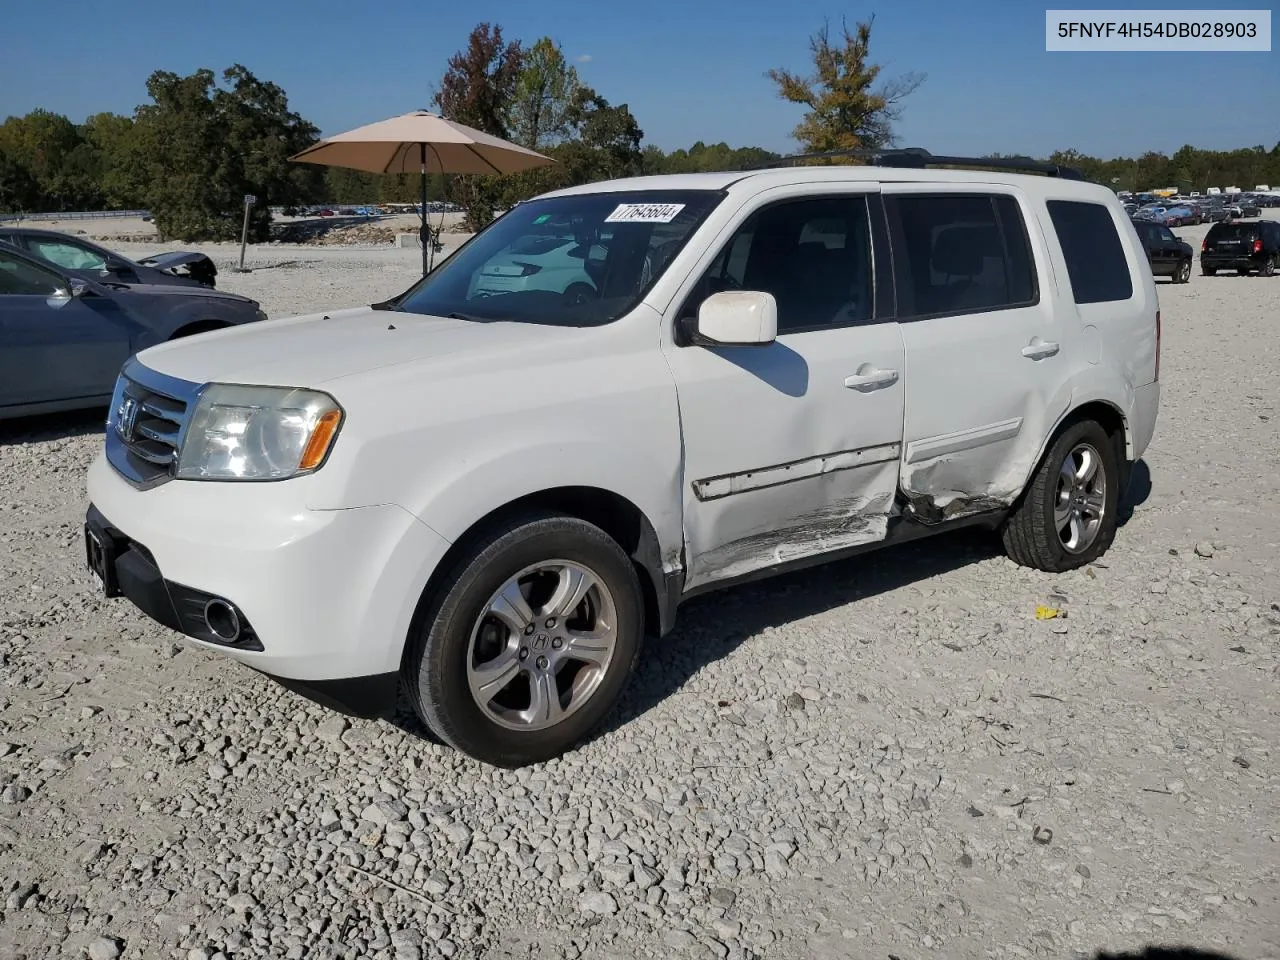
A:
x: 884, y: 757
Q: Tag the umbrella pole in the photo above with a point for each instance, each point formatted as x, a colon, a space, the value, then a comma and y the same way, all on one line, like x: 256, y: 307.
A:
x: 426, y: 233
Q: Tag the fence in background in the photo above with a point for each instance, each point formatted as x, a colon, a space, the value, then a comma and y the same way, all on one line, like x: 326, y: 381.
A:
x: 76, y: 215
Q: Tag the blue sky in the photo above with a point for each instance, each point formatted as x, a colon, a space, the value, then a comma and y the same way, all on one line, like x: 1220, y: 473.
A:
x: 689, y: 70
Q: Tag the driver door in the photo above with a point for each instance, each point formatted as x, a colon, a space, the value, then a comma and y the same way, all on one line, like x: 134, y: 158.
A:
x: 52, y: 346
x: 791, y: 448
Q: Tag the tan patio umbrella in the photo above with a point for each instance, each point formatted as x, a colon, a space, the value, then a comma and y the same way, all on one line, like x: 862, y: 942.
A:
x: 425, y: 142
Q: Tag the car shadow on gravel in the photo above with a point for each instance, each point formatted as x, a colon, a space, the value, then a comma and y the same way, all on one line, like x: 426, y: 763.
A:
x: 1166, y: 953
x: 1138, y: 493
x: 712, y: 626
x: 52, y: 426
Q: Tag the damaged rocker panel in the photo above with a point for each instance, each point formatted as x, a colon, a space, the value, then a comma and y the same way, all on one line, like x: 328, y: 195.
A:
x: 715, y: 488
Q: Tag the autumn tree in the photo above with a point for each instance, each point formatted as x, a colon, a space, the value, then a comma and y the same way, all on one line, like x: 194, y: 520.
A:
x: 478, y: 89
x: 847, y: 106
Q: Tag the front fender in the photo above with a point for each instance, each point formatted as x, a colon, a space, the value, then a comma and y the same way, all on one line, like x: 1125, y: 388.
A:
x: 452, y: 500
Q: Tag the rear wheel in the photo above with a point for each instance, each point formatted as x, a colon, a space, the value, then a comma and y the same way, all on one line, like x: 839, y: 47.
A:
x: 1269, y: 266
x: 1066, y: 517
x: 1208, y: 271
x: 529, y: 641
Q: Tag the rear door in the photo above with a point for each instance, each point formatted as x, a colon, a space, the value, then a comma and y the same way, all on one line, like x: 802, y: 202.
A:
x: 987, y: 353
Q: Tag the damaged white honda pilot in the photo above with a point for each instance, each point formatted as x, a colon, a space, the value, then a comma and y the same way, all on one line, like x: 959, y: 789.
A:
x: 493, y: 485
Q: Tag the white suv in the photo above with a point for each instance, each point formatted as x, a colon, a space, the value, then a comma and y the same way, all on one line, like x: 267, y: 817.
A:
x: 495, y: 495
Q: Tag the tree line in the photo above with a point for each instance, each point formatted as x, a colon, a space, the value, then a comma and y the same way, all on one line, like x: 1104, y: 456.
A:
x: 202, y: 141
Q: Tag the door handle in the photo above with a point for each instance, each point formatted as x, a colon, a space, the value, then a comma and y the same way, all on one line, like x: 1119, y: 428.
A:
x: 1038, y: 349
x: 869, y: 378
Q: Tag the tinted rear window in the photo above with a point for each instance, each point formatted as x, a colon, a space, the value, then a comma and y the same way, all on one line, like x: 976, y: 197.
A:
x: 960, y: 253
x: 1230, y: 231
x: 1095, y: 257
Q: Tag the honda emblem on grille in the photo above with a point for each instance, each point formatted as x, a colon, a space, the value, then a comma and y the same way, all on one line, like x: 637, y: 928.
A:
x: 128, y: 416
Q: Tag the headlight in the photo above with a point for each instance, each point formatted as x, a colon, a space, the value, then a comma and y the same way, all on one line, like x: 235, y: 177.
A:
x: 258, y: 433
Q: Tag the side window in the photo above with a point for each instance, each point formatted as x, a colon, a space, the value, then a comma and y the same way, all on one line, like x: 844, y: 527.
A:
x: 960, y: 253
x: 1095, y: 258
x: 813, y: 255
x: 1166, y: 234
x: 19, y: 278
x: 69, y: 255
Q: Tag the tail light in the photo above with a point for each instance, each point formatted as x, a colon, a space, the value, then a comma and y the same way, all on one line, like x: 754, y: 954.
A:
x: 1204, y: 244
x: 1157, y: 376
x: 527, y: 269
x: 1257, y: 246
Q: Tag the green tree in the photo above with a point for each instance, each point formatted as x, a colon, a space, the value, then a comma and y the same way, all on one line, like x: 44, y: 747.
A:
x: 605, y: 140
x: 202, y: 148
x: 544, y: 93
x: 111, y: 137
x: 844, y: 107
x: 19, y: 192
x: 41, y: 143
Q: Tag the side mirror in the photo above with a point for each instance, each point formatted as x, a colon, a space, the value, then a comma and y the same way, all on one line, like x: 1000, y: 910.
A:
x: 77, y: 287
x: 115, y: 266
x: 745, y: 318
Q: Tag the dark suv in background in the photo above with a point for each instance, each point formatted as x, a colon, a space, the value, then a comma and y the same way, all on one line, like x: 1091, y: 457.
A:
x: 1243, y: 247
x: 1168, y: 255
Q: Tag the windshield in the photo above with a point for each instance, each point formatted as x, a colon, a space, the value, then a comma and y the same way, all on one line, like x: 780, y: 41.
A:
x: 577, y: 260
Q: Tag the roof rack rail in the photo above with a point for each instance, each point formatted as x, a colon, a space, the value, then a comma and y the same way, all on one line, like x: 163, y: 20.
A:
x: 917, y: 158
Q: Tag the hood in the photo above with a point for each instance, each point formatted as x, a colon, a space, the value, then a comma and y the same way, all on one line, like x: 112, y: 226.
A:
x: 174, y: 290
x: 163, y: 261
x: 315, y: 349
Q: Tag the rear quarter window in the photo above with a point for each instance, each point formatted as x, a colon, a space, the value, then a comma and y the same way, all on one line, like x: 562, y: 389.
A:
x: 1091, y: 245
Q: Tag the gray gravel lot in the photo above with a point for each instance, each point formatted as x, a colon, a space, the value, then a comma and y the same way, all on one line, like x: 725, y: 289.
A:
x: 885, y: 757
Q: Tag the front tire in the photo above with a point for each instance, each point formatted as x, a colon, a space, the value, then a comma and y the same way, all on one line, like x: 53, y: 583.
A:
x: 528, y: 642
x: 1183, y: 273
x: 1066, y: 517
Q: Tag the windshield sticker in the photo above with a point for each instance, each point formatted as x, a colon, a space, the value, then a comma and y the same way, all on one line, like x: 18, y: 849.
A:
x: 644, y: 213
x: 542, y: 219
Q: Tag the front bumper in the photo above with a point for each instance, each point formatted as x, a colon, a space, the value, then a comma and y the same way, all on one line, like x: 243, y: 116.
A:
x: 327, y: 595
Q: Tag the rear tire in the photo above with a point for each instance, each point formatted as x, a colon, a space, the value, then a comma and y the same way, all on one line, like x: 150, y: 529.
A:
x: 1269, y: 266
x: 1066, y: 517
x: 1209, y: 271
x: 544, y: 609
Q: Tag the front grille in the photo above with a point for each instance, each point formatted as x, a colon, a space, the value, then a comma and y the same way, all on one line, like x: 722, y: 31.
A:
x: 147, y: 424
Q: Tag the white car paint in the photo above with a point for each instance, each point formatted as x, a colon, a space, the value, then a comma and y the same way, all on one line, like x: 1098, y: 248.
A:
x: 447, y: 421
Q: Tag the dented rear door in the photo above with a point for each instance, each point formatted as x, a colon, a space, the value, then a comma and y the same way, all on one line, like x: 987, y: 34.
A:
x: 791, y: 449
x: 988, y: 348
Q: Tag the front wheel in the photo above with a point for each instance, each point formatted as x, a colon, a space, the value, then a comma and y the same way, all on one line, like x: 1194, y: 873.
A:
x: 529, y: 641
x: 1066, y: 517
x: 1183, y: 273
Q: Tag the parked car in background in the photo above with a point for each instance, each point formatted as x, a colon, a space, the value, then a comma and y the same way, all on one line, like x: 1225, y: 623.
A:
x: 64, y: 337
x: 1249, y: 207
x: 1242, y: 247
x: 1168, y: 255
x: 88, y: 260
x: 1181, y: 215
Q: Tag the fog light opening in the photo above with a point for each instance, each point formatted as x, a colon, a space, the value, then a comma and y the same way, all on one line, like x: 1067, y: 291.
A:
x: 222, y: 620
